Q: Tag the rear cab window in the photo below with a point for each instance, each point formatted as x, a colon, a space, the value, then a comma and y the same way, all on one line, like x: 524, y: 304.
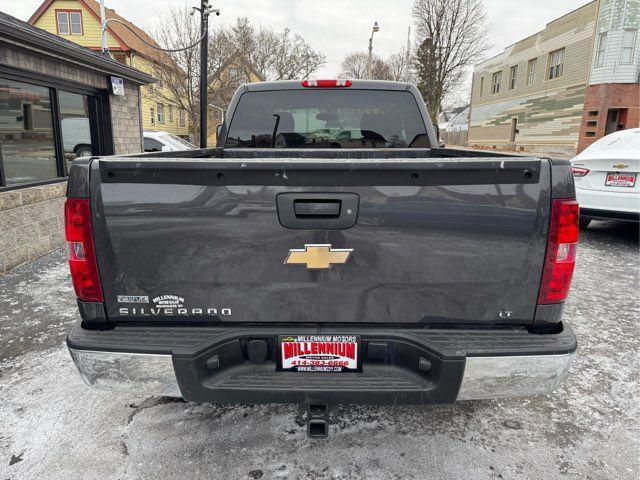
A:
x: 327, y: 118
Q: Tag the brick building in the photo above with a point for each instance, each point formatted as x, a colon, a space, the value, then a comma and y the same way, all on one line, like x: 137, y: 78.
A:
x: 612, y: 99
x: 58, y: 100
x: 564, y: 87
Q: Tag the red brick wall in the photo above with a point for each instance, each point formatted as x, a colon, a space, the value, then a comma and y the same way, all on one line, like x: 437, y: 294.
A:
x: 600, y: 98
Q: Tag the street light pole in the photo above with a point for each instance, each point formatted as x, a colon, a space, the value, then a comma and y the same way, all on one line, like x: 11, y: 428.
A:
x: 375, y: 29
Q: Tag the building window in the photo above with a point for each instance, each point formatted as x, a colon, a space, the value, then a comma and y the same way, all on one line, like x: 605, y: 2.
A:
x: 27, y: 143
x: 601, y: 49
x: 170, y: 113
x: 69, y: 22
x: 183, y: 118
x: 513, y: 77
x: 556, y: 64
x: 481, y: 86
x: 496, y: 78
x: 152, y: 114
x: 160, y: 113
x: 37, y: 140
x: 628, y: 45
x: 532, y: 66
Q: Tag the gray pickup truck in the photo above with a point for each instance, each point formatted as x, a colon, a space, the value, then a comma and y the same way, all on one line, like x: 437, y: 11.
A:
x: 326, y: 252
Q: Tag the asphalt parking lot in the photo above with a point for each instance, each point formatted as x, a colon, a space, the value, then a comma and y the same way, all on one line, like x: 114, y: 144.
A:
x: 52, y: 426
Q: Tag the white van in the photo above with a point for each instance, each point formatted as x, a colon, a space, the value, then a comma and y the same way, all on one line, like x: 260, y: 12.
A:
x: 76, y: 136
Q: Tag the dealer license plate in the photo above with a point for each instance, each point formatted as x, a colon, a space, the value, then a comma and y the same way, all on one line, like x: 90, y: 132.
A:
x: 319, y: 353
x: 616, y: 179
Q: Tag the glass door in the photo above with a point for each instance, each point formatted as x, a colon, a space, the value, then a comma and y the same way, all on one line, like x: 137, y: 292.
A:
x: 78, y: 125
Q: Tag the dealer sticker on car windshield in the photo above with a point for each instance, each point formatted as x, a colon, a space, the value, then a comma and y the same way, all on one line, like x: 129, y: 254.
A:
x: 319, y: 353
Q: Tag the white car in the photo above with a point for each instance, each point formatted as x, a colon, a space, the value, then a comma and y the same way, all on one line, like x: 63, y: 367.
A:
x: 164, y: 142
x: 606, y: 178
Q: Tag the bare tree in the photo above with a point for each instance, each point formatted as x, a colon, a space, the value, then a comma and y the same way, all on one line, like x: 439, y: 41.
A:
x: 274, y: 55
x: 452, y: 34
x: 354, y: 66
x: 401, y: 66
x: 294, y: 58
x: 236, y: 54
x: 179, y: 75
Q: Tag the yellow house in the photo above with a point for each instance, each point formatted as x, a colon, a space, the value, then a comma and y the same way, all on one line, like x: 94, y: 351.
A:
x: 79, y: 22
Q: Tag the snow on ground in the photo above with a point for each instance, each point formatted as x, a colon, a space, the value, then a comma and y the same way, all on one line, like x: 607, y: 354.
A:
x: 52, y: 426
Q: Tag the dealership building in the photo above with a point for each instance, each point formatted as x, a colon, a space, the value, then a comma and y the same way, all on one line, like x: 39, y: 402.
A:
x: 58, y: 100
x: 561, y: 89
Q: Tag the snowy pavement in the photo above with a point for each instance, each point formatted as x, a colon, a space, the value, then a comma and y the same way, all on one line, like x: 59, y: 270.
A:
x: 52, y: 426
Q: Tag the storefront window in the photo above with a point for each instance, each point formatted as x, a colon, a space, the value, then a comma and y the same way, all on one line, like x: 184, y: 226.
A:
x: 27, y: 147
x: 76, y: 125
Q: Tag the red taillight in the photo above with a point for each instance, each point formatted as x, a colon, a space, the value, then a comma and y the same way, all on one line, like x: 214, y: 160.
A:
x: 326, y: 83
x: 82, y: 258
x: 561, y: 251
x: 579, y: 171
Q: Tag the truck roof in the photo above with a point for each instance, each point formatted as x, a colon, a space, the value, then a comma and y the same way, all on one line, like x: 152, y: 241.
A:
x: 355, y: 84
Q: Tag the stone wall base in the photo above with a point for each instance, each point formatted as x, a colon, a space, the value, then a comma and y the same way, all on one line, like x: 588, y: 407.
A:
x: 31, y: 223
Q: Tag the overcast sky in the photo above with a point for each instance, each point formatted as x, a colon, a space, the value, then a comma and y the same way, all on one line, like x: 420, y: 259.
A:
x: 338, y: 27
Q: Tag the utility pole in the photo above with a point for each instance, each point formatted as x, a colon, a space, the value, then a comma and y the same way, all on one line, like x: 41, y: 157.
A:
x: 204, y: 57
x: 103, y: 26
x: 408, y: 59
x: 375, y: 29
x: 205, y: 10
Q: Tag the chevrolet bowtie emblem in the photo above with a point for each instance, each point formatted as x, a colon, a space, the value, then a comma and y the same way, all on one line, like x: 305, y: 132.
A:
x: 620, y: 166
x: 318, y: 256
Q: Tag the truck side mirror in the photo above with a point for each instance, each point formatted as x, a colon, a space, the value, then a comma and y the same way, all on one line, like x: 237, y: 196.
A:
x: 218, y: 128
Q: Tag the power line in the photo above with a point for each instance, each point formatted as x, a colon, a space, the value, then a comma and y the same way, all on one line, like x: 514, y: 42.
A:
x: 193, y: 45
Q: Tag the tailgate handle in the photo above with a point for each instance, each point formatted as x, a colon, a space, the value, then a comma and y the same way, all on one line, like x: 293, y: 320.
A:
x: 317, y: 208
x: 318, y: 211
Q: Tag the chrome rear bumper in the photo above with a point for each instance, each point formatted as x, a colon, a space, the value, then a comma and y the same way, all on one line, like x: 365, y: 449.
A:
x: 145, y: 374
x: 513, y: 376
x: 483, y: 378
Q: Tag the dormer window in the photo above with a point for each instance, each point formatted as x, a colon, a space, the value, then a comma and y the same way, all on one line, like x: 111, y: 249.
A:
x: 69, y: 22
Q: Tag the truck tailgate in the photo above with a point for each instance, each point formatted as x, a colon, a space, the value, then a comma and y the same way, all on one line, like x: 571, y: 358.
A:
x: 440, y: 241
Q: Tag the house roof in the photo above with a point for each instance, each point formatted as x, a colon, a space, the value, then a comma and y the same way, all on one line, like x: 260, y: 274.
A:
x: 126, y: 37
x: 232, y: 62
x: 449, y: 115
x: 22, y: 33
x: 460, y: 117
